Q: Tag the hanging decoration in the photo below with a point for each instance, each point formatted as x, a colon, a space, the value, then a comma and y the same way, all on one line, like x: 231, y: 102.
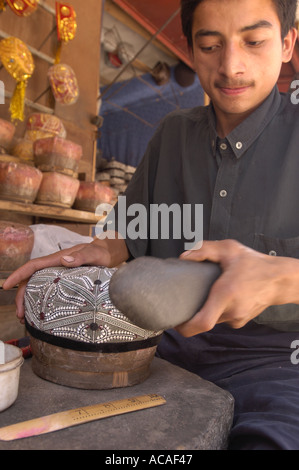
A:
x: 66, y: 26
x: 116, y: 52
x: 18, y: 61
x: 2, y: 5
x: 184, y: 75
x: 110, y: 41
x: 64, y: 84
x: 125, y: 52
x: 161, y: 73
x: 23, y: 7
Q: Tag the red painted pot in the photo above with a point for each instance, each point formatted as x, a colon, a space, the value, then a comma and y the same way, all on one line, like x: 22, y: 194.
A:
x: 16, y: 243
x: 91, y: 194
x: 57, y: 189
x: 19, y: 182
x: 57, y: 154
x: 7, y: 131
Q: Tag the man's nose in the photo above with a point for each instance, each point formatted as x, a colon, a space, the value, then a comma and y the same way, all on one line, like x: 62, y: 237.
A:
x: 232, y: 60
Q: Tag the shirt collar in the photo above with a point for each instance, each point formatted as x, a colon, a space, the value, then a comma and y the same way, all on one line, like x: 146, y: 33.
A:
x: 242, y: 137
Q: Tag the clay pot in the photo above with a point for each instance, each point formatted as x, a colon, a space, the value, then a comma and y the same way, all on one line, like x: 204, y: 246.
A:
x: 57, y: 154
x: 23, y: 150
x: 41, y: 126
x: 91, y: 194
x: 19, y: 182
x: 7, y: 131
x: 16, y: 244
x: 57, y: 189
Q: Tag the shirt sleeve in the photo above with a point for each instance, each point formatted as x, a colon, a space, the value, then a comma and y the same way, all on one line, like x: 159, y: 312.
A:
x: 130, y: 215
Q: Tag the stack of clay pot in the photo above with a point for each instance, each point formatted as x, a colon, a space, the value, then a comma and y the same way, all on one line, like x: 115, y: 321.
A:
x: 19, y: 181
x: 38, y: 126
x: 115, y: 174
x: 45, y: 146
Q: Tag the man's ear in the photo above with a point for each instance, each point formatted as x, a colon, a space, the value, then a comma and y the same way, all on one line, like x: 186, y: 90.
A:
x: 289, y: 44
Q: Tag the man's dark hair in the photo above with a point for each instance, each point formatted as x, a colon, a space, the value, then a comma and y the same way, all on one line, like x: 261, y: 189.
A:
x: 286, y: 10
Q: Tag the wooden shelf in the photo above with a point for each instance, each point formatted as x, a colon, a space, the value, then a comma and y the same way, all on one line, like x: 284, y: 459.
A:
x: 68, y: 215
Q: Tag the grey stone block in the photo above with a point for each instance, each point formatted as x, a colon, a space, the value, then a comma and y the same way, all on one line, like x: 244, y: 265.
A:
x: 159, y: 294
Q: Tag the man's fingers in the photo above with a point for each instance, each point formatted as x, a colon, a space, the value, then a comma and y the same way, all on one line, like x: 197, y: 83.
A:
x: 214, y: 251
x: 212, y: 313
x: 88, y: 255
x: 20, y: 301
x: 208, y: 251
x: 26, y: 271
x: 84, y: 254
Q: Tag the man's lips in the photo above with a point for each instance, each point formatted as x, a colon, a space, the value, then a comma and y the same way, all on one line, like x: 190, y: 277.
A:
x: 233, y: 90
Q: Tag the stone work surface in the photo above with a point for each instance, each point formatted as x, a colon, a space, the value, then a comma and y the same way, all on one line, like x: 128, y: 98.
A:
x: 197, y: 414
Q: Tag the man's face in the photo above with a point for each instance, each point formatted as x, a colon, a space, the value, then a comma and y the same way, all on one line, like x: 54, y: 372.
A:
x: 238, y: 53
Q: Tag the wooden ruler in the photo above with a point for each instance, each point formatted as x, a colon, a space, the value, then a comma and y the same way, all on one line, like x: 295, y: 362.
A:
x: 66, y: 419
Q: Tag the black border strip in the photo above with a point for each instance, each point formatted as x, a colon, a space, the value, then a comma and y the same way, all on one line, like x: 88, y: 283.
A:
x: 88, y: 347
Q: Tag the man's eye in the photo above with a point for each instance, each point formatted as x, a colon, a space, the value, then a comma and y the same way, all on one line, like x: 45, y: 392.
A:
x: 209, y: 48
x: 254, y: 43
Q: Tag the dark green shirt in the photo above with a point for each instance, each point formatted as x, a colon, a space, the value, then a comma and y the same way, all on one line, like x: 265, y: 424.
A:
x: 248, y: 183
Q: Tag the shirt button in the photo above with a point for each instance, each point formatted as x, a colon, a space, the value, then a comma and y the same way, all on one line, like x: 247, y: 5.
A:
x: 239, y: 145
x: 223, y: 146
x: 272, y: 253
x: 223, y: 193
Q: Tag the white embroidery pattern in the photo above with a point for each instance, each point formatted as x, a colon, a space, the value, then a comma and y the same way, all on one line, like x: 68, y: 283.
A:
x: 74, y: 303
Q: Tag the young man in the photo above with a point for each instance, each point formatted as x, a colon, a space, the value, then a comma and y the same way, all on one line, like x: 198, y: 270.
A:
x: 237, y: 157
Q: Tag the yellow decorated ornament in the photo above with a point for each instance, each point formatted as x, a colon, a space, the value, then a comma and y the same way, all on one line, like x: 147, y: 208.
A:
x: 64, y: 84
x: 66, y: 22
x: 23, y: 7
x: 18, y: 61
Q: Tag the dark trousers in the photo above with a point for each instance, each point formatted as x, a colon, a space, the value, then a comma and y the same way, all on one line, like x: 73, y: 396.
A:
x: 258, y: 366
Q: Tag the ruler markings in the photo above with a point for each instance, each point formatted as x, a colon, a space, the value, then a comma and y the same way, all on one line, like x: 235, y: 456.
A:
x: 77, y: 416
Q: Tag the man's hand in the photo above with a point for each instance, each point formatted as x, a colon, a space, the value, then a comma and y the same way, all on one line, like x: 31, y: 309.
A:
x: 250, y: 282
x: 98, y: 253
